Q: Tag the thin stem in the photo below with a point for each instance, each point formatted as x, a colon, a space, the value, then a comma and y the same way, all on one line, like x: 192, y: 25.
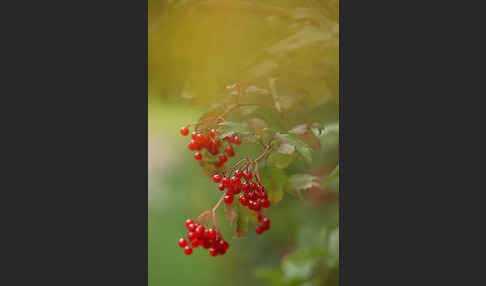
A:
x: 217, y: 204
x: 267, y: 149
x: 202, y: 215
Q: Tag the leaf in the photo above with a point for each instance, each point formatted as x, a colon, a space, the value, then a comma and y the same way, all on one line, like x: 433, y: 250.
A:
x: 280, y: 160
x: 302, y: 148
x: 310, y: 138
x: 285, y: 148
x: 307, y: 135
x: 228, y: 128
x: 259, y: 125
x: 274, y: 180
x: 241, y: 225
x: 230, y: 212
x: 303, y: 181
x: 334, y: 175
x: 299, y: 129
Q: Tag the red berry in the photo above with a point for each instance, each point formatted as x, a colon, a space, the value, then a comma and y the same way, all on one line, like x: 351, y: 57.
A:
x: 195, y: 243
x: 221, y: 187
x: 199, y: 138
x: 229, y: 192
x: 191, y: 235
x: 228, y: 199
x: 187, y: 250
x: 211, y: 233
x: 184, y: 131
x: 207, y: 244
x: 234, y: 181
x: 238, y: 174
x: 206, y: 140
x: 182, y: 243
x: 266, y: 223
x: 265, y: 203
x: 236, y: 140
x: 192, y: 227
x: 236, y: 189
x: 223, y: 158
x: 193, y: 145
x: 188, y: 222
x: 198, y: 156
x: 200, y: 231
x: 256, y: 206
x: 225, y: 245
x: 225, y: 181
x: 217, y: 178
x: 243, y: 200
x: 260, y: 217
x: 245, y: 186
x: 247, y: 175
x: 259, y: 230
x: 213, y: 252
x: 212, y: 133
x: 229, y: 150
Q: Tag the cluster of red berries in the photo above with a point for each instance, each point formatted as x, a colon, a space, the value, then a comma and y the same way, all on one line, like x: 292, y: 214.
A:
x: 198, y: 235
x: 206, y: 139
x: 265, y: 224
x: 253, y: 194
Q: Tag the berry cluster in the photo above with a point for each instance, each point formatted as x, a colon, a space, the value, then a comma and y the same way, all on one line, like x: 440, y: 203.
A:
x: 198, y: 235
x: 206, y: 139
x: 265, y: 224
x: 253, y: 194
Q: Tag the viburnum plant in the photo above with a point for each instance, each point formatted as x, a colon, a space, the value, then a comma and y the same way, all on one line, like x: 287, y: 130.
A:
x: 247, y: 197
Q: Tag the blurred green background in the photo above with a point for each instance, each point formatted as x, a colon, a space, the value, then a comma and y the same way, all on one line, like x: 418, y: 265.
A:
x: 194, y: 51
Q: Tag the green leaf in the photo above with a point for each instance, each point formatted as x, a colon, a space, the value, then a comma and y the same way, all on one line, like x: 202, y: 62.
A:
x: 302, y: 148
x: 243, y: 217
x: 286, y: 148
x: 303, y: 181
x: 259, y: 125
x: 310, y: 138
x: 228, y: 128
x: 299, y: 129
x: 274, y: 180
x: 280, y: 160
x: 333, y: 176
